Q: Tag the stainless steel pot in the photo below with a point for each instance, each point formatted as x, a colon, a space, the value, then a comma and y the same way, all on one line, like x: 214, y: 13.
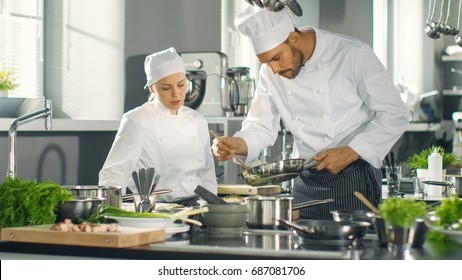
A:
x: 112, y: 194
x: 275, y: 172
x: 265, y: 211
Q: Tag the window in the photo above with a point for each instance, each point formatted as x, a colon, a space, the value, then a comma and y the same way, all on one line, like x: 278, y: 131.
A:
x: 21, y: 44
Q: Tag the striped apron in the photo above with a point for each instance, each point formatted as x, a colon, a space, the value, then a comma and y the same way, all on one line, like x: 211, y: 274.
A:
x: 358, y: 176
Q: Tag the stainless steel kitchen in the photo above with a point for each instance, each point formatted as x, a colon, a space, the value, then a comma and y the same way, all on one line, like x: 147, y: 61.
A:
x: 231, y: 130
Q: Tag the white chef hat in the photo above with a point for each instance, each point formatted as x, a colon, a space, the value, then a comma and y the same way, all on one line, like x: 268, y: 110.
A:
x: 265, y: 28
x: 161, y: 64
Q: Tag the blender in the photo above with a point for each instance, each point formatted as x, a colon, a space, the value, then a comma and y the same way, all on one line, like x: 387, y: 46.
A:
x: 240, y: 91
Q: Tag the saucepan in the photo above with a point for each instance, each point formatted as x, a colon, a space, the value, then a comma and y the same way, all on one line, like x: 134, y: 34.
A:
x: 265, y: 211
x: 275, y: 172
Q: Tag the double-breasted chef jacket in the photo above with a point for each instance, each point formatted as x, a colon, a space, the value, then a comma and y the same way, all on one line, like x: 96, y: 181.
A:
x: 177, y: 146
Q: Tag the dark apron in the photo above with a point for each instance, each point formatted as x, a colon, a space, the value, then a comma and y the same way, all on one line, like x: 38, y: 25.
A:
x: 358, y: 176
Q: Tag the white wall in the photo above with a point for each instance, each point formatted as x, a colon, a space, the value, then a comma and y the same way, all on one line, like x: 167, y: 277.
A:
x: 84, y: 51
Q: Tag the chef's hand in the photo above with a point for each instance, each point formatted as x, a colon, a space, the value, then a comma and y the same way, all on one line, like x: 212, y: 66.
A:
x: 224, y: 146
x: 335, y: 159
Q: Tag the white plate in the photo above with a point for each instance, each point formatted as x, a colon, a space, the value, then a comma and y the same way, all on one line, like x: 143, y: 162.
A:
x: 176, y: 228
x: 143, y: 222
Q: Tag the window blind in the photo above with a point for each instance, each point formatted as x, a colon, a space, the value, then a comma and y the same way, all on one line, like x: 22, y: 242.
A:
x: 237, y: 47
x: 21, y: 44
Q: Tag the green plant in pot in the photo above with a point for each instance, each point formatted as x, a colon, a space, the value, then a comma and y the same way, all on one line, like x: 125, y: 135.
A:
x: 7, y: 81
x: 400, y: 215
x: 420, y: 160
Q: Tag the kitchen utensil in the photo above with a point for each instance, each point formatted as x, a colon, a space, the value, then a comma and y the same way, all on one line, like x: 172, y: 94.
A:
x: 256, y: 2
x: 111, y: 194
x: 275, y: 172
x: 439, y: 27
x: 208, y: 196
x: 266, y: 210
x: 458, y: 37
x: 294, y: 7
x: 78, y: 209
x: 328, y: 229
x: 277, y: 5
x: 447, y: 28
x: 366, y: 202
x: 231, y: 152
x: 451, y: 186
x: 431, y: 24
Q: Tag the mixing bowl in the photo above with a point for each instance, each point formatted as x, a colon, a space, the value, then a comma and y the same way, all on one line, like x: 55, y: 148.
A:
x: 78, y: 209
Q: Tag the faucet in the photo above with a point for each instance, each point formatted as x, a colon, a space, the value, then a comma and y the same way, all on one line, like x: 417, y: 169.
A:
x: 43, y: 113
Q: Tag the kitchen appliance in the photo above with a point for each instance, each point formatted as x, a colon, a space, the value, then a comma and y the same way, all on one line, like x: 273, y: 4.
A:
x: 240, y: 91
x: 207, y: 73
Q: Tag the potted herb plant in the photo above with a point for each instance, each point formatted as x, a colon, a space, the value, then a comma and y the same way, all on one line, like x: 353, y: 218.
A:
x: 400, y: 215
x: 7, y: 81
x: 418, y: 163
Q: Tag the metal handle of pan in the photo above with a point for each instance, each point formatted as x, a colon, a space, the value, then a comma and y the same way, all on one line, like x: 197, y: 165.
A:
x: 310, y: 165
x: 310, y: 203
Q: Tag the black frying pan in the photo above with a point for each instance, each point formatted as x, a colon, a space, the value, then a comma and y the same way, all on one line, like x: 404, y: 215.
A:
x: 275, y: 172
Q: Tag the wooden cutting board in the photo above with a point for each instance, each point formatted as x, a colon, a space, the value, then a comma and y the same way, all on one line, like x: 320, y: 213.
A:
x: 248, y: 190
x: 123, y: 237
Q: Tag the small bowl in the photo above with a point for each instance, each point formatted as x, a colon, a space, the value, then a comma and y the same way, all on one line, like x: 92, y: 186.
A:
x: 80, y: 208
x: 225, y: 219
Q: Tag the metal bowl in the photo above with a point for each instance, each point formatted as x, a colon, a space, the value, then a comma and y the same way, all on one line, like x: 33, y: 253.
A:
x: 79, y: 208
x: 328, y: 229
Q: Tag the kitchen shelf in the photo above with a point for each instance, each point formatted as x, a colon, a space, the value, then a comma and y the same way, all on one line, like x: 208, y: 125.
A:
x: 446, y: 58
x: 422, y: 127
x: 452, y: 92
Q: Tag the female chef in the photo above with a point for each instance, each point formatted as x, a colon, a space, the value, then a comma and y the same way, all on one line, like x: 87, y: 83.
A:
x: 164, y: 134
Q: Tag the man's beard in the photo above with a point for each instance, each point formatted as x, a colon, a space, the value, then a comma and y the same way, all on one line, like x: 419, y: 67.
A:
x: 297, y: 60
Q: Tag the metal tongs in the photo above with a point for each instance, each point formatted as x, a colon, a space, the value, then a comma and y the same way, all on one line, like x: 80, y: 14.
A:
x: 277, y: 5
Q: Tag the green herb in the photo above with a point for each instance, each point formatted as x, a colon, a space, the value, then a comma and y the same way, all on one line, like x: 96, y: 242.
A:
x: 420, y: 160
x: 449, y: 212
x: 401, y: 212
x: 7, y: 80
x: 26, y: 203
x: 108, y: 211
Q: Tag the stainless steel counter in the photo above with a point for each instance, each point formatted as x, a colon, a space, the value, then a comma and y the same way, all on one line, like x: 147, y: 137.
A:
x: 254, y: 244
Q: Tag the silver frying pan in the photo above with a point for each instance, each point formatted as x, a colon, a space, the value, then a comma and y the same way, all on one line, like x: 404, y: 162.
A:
x: 275, y: 172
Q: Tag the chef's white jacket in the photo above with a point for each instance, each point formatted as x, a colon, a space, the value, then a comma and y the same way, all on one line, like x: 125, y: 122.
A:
x: 343, y: 96
x: 177, y: 146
